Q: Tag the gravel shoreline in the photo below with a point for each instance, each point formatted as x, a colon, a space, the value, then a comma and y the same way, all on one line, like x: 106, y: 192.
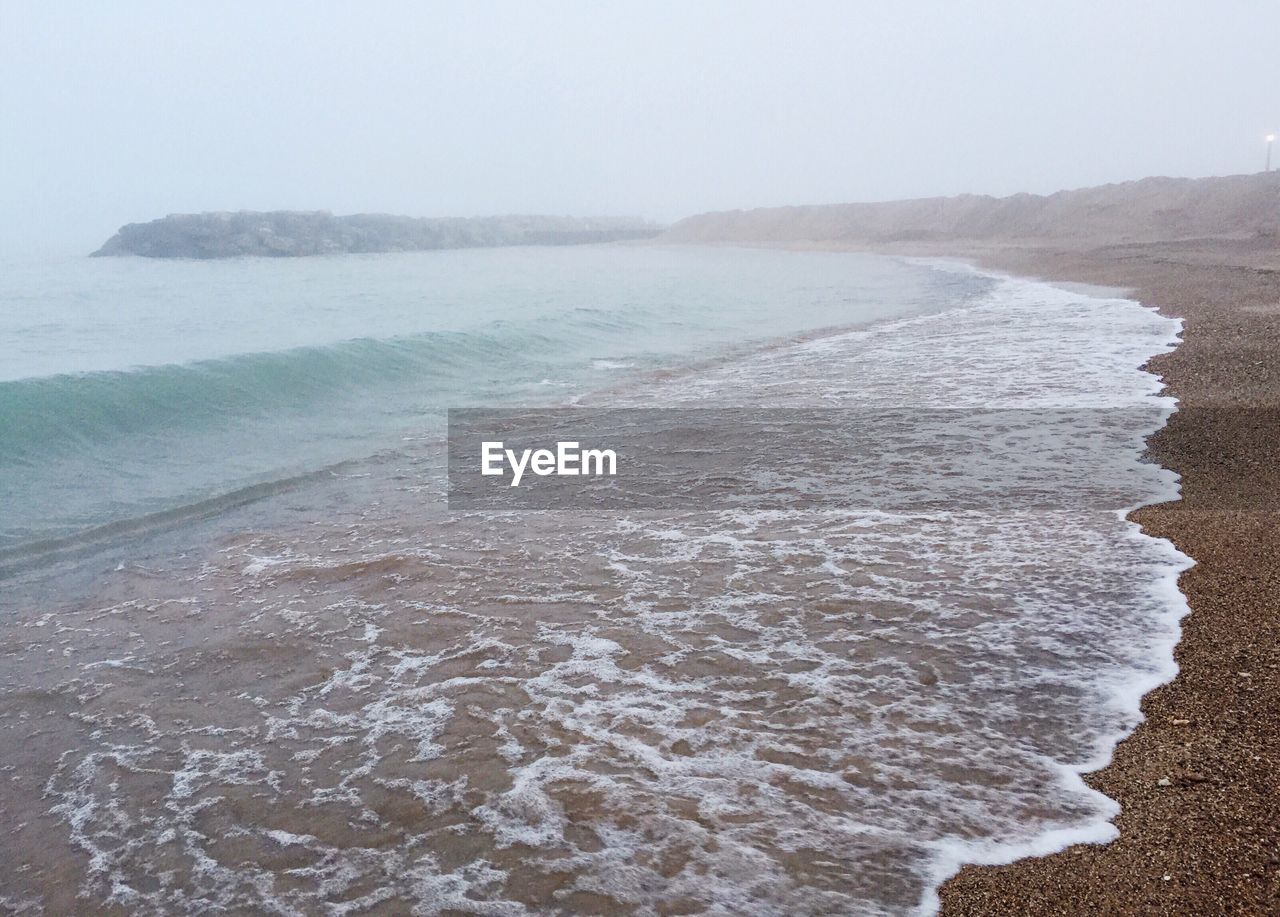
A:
x: 1197, y: 782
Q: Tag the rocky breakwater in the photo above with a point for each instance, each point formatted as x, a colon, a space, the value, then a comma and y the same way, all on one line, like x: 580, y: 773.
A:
x: 295, y: 233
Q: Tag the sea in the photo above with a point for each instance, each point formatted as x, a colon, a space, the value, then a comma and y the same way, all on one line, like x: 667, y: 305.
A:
x: 255, y: 661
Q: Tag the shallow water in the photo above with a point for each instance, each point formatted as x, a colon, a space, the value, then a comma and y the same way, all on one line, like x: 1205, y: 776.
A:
x: 366, y: 703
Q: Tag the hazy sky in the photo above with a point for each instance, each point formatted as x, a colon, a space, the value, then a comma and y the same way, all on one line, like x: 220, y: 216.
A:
x: 119, y: 112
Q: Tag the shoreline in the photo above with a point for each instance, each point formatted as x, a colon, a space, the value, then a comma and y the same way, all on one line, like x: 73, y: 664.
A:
x: 1194, y: 783
x: 265, y: 588
x: 1199, y: 821
x: 1099, y: 832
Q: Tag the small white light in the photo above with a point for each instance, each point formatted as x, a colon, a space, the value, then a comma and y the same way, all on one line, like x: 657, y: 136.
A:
x: 1271, y: 138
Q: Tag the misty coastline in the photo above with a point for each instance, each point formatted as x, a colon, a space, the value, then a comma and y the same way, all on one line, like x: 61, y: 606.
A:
x: 927, y: 560
x: 291, y: 234
x: 1149, y: 210
x: 1155, y: 209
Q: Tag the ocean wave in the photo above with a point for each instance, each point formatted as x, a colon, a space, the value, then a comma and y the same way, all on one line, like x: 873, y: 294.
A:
x: 55, y: 414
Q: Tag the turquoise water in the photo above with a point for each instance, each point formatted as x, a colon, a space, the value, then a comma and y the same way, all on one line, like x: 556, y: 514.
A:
x: 130, y: 387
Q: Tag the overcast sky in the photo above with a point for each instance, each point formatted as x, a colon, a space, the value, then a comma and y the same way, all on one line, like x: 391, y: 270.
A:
x: 119, y: 112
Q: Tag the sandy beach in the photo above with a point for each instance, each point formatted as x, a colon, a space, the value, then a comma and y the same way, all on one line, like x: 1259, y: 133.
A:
x: 1200, y: 814
x: 131, y: 725
x: 354, y: 697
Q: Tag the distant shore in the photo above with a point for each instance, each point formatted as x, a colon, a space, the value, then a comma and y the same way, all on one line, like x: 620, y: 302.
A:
x: 296, y: 234
x: 1200, y: 812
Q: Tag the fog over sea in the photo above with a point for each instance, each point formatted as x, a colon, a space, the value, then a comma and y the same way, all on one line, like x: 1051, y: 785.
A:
x: 256, y: 664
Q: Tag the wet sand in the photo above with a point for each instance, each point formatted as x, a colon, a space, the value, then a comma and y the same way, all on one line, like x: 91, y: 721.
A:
x: 1197, y: 782
x: 366, y: 703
